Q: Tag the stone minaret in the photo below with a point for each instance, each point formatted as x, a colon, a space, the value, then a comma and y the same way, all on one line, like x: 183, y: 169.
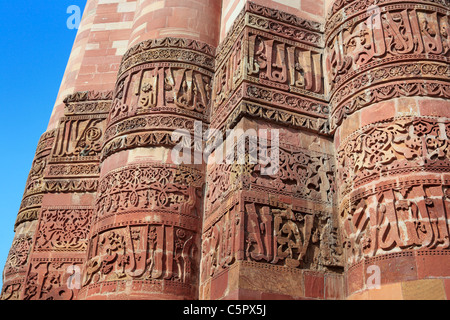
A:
x: 349, y: 102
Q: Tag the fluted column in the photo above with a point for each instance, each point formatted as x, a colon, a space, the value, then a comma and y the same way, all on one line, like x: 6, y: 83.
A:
x: 270, y: 234
x: 145, y: 243
x: 18, y: 260
x: 388, y: 67
x: 55, y: 213
x: 101, y: 40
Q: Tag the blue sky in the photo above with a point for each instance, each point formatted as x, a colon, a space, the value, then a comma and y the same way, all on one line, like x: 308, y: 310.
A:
x: 35, y: 47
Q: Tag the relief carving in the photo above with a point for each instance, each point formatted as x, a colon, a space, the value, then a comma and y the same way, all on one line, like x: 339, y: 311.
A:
x: 302, y: 174
x: 381, y: 51
x: 143, y: 252
x: 270, y: 61
x: 396, y: 217
x: 283, y: 16
x: 79, y: 136
x: 270, y: 57
x: 19, y: 253
x: 11, y: 291
x: 294, y: 239
x: 393, y: 147
x: 169, y: 49
x: 165, y: 86
x: 220, y: 244
x: 281, y: 63
x: 150, y: 187
x: 271, y: 66
x: 388, y: 33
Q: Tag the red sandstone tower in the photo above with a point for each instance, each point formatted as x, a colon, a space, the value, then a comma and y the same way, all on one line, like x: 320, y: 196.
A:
x: 359, y: 95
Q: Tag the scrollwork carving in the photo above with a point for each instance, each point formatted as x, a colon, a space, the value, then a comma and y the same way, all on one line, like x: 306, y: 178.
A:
x: 300, y: 173
x: 157, y: 187
x: 63, y: 229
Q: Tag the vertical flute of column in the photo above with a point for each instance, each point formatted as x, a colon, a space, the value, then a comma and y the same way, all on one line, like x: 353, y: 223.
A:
x: 61, y: 186
x: 270, y: 224
x: 18, y: 260
x: 145, y: 242
x: 390, y: 90
x: 25, y: 225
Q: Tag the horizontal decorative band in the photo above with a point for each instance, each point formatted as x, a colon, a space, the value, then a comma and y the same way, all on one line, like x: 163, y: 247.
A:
x: 166, y: 54
x: 84, y: 96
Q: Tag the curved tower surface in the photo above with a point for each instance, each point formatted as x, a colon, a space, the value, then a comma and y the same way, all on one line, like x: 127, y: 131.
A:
x: 234, y: 149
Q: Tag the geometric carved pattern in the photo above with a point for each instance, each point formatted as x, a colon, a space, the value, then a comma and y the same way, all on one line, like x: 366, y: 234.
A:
x: 18, y: 255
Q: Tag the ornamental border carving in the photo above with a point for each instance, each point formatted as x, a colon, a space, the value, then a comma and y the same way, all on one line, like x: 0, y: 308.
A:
x: 138, y: 140
x: 181, y: 43
x: 284, y: 17
x: 85, y: 169
x: 167, y: 55
x: 26, y: 215
x: 260, y: 111
x: 401, y: 145
x: 84, y: 96
x: 285, y: 31
x: 147, y: 123
x: 175, y: 189
x: 396, y: 72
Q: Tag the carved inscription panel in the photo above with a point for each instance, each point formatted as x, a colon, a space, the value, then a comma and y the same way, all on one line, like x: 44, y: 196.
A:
x: 143, y: 252
x: 162, y: 86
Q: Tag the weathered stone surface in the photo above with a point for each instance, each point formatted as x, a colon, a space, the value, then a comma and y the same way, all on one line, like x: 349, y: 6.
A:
x: 340, y: 110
